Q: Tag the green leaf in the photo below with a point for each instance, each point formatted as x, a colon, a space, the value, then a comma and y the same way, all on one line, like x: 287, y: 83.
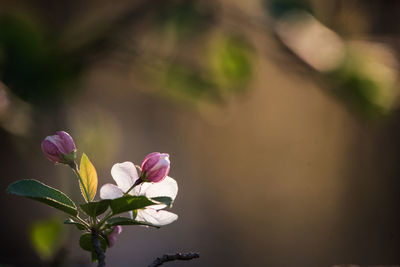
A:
x: 89, y: 178
x: 164, y: 200
x: 78, y: 225
x: 94, y: 209
x: 38, y: 191
x: 46, y: 237
x: 128, y: 203
x: 134, y: 214
x: 127, y: 221
x: 85, y: 242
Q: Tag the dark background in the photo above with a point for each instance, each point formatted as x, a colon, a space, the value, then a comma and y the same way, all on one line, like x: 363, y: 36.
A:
x: 278, y: 162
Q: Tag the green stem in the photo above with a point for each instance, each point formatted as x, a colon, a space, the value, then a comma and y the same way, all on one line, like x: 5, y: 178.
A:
x: 82, y: 222
x: 138, y: 181
x: 102, y: 221
x: 76, y: 171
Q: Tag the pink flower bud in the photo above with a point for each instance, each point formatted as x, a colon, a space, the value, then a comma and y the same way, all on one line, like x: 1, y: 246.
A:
x: 112, y: 238
x: 59, y: 148
x: 155, y: 167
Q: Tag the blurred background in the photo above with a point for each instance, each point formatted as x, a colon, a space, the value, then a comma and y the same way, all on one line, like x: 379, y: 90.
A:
x: 280, y: 117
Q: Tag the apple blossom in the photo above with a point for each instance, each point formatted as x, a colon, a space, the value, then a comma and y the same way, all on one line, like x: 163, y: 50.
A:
x: 146, y: 195
x: 59, y: 148
x: 155, y: 167
x: 125, y: 175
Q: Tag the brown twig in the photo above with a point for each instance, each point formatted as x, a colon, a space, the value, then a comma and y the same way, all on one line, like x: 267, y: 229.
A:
x: 97, y: 248
x: 173, y: 257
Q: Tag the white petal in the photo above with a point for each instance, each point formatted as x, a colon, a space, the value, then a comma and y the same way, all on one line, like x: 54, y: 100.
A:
x: 140, y: 189
x: 110, y: 191
x: 124, y: 174
x: 156, y: 217
x: 166, y: 188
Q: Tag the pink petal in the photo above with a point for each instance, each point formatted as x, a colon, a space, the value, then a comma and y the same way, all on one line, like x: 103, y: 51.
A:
x: 150, y: 160
x: 67, y: 142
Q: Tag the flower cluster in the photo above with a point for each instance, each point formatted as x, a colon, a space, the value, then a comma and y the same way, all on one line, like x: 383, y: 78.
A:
x: 144, y: 195
x: 125, y: 175
x: 152, y: 182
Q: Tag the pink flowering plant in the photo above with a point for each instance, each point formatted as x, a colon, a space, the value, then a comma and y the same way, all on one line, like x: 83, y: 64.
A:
x: 139, y: 196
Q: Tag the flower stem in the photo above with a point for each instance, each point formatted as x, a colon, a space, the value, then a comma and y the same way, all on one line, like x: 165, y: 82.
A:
x: 102, y: 221
x: 82, y: 222
x: 74, y: 167
x: 138, y: 181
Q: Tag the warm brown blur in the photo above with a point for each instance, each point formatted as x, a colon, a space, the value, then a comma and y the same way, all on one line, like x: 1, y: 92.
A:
x: 285, y: 148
